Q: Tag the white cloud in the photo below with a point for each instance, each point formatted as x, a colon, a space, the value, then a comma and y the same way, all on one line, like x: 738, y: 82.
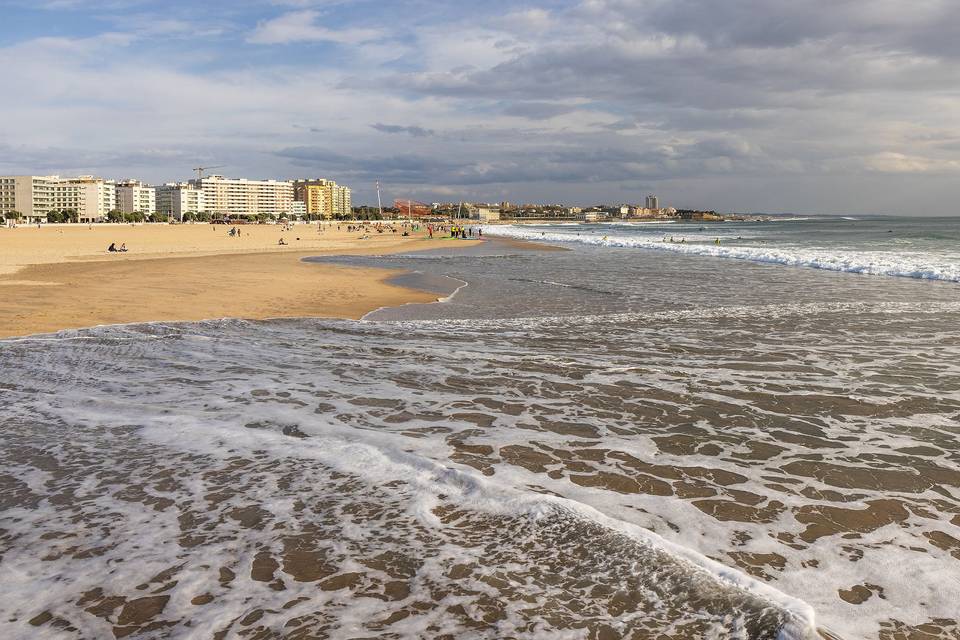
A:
x: 894, y: 162
x: 526, y: 20
x: 301, y: 26
x: 559, y: 103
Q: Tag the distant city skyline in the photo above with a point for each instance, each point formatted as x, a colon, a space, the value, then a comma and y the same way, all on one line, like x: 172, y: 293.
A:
x: 739, y: 106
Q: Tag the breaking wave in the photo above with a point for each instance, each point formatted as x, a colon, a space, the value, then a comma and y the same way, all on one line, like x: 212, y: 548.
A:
x: 879, y: 263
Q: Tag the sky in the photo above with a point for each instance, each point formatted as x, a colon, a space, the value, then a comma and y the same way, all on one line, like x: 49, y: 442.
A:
x: 804, y: 106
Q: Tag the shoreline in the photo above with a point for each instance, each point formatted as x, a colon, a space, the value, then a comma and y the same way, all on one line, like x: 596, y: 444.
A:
x: 86, y: 289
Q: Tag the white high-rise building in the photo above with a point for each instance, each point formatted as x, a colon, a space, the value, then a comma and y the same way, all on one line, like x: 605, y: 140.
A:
x: 91, y: 198
x: 135, y: 196
x: 177, y: 198
x: 243, y: 197
x: 652, y: 202
x: 31, y: 196
x: 342, y: 200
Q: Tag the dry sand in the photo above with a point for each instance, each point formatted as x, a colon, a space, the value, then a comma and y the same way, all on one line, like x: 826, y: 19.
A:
x: 61, y: 276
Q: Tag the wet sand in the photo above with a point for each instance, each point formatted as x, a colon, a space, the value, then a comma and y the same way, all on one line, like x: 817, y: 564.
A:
x: 61, y: 277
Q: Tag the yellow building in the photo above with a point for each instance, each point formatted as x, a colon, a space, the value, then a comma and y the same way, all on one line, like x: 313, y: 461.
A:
x: 316, y: 196
x: 324, y: 198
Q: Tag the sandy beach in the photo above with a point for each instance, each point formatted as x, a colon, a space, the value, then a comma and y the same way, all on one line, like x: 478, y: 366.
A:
x: 62, y: 277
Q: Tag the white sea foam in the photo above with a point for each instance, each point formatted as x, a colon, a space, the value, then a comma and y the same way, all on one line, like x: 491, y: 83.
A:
x: 382, y: 459
x: 882, y: 263
x: 452, y: 294
x: 868, y: 378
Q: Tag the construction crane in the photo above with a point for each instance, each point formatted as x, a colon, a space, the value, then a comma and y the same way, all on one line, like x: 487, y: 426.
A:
x: 200, y: 170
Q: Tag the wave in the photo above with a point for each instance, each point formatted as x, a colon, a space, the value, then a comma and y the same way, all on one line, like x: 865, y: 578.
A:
x: 448, y: 298
x: 635, y: 223
x: 656, y: 318
x: 904, y: 265
x: 382, y: 460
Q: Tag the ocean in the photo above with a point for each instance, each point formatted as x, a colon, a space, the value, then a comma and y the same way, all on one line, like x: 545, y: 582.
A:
x: 737, y: 430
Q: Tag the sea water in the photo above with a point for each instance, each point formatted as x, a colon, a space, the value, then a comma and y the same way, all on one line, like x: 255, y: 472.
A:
x: 614, y: 440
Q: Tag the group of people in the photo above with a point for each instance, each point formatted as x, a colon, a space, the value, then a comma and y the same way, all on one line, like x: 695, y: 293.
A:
x: 114, y: 249
x: 234, y: 231
x: 463, y: 232
x: 684, y: 240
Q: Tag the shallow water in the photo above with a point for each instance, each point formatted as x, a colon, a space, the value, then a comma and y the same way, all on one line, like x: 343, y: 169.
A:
x: 602, y: 442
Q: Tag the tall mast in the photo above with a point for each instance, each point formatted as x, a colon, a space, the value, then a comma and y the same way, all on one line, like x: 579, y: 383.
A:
x: 379, y: 205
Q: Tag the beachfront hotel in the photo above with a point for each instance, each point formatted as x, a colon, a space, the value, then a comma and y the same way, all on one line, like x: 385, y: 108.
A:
x: 323, y: 198
x: 31, y: 196
x: 135, y: 196
x: 178, y: 198
x: 243, y: 197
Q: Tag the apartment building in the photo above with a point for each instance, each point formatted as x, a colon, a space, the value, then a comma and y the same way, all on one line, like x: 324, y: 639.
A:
x: 92, y: 198
x: 342, y: 201
x: 243, y: 197
x: 315, y: 196
x: 177, y: 198
x: 322, y: 197
x: 31, y: 196
x: 135, y: 196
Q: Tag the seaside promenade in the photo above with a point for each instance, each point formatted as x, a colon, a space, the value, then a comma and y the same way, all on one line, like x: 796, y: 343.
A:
x: 62, y: 276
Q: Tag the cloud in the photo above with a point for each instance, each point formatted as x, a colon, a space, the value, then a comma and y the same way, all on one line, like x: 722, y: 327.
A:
x: 301, y: 26
x: 540, y: 165
x: 416, y: 132
x: 737, y: 105
x: 100, y: 5
x: 537, y: 110
x: 894, y: 162
x: 527, y: 20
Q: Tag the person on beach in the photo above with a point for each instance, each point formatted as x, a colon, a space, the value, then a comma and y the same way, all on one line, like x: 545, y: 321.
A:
x: 282, y: 241
x: 123, y: 247
x: 112, y: 248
